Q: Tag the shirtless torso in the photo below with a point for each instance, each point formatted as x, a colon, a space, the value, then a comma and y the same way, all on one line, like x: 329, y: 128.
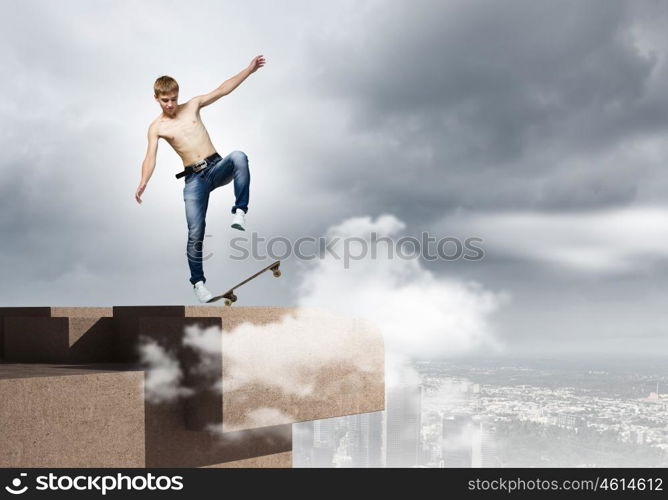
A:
x: 186, y: 133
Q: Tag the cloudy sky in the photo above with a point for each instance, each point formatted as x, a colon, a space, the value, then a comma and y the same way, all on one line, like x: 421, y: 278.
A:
x: 537, y: 126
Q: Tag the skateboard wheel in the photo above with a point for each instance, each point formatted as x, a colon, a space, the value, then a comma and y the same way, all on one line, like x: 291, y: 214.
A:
x: 277, y: 273
x: 228, y: 302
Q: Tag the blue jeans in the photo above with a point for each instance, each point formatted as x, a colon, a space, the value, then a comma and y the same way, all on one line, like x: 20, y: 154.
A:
x: 219, y: 172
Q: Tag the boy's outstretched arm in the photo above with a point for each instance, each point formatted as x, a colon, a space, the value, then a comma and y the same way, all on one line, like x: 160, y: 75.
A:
x: 148, y: 165
x: 229, y: 85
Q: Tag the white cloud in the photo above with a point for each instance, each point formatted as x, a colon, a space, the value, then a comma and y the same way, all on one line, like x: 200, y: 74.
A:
x: 163, y: 373
x: 420, y: 315
x: 598, y: 242
x: 287, y: 354
x: 259, y: 417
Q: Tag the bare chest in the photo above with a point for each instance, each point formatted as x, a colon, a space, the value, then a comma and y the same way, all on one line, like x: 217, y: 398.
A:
x: 182, y: 129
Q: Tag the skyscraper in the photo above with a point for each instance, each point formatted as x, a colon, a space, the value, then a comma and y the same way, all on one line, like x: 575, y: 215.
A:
x: 366, y: 439
x: 403, y: 406
x: 488, y: 452
x: 458, y: 432
x: 302, y: 444
x: 324, y: 442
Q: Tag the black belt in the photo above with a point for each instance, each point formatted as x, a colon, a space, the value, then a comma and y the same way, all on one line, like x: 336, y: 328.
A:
x: 196, y: 167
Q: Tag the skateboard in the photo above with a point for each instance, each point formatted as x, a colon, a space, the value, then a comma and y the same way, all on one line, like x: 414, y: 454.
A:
x: 229, y: 296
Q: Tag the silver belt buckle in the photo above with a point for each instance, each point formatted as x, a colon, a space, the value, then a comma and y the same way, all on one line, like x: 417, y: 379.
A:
x: 199, y: 166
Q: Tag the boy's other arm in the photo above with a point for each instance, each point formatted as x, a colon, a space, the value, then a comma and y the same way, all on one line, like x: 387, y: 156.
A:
x: 148, y: 165
x: 229, y: 85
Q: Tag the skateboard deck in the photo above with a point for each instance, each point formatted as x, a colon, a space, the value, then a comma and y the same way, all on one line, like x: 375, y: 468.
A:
x: 231, y: 298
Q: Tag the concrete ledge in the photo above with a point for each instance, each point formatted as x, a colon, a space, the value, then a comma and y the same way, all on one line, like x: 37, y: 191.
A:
x: 170, y: 444
x: 275, y: 461
x: 53, y: 312
x: 58, y: 339
x: 162, y: 324
x: 248, y: 374
x: 341, y: 372
x: 97, y: 416
x: 334, y: 366
x: 90, y: 419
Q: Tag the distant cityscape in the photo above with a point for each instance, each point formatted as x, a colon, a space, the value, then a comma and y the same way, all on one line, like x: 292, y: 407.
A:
x: 494, y: 413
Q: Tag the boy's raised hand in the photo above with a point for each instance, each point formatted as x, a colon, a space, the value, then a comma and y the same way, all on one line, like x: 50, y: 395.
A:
x: 257, y: 63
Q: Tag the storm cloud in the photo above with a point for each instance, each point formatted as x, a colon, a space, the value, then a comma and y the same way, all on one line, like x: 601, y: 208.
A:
x: 452, y: 116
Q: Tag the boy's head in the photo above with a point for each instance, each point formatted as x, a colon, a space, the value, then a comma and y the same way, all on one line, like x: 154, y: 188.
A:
x: 166, y: 92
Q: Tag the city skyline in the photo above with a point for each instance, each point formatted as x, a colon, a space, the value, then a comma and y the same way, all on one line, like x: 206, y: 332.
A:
x: 466, y: 422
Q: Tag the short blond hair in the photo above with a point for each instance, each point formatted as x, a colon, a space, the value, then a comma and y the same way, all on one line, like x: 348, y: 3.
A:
x: 164, y: 85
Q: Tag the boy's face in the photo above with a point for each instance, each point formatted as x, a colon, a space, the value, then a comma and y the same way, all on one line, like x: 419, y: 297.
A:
x: 168, y: 102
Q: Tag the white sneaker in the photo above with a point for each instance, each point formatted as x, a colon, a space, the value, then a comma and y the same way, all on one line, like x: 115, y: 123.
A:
x: 239, y: 221
x: 202, y: 293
